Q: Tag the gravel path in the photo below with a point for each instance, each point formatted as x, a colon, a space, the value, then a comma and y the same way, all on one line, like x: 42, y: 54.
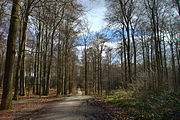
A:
x: 72, y: 108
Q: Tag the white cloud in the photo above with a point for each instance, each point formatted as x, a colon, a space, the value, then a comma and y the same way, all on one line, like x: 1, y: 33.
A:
x: 95, y: 13
x: 113, y: 45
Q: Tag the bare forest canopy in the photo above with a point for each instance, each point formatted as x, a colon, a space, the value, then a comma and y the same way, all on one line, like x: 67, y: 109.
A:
x: 47, y: 44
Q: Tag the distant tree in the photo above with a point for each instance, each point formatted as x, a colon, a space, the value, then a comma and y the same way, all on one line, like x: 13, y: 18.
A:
x: 85, y: 39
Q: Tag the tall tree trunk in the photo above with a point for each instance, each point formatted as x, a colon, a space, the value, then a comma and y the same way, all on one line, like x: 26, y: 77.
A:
x: 134, y: 49
x: 50, y: 61
x: 63, y: 71
x: 165, y: 61
x: 109, y: 56
x: 159, y: 48
x: 156, y: 49
x: 125, y: 59
x: 178, y: 61
x: 69, y: 72
x: 6, y: 102
x: 94, y: 72
x: 38, y: 86
x: 59, y: 67
x: 148, y: 62
x: 152, y: 68
x: 35, y: 72
x: 22, y: 74
x: 174, y: 82
x: 45, y: 62
x: 143, y: 52
x: 18, y: 67
x: 21, y: 50
x: 65, y: 68
x: 100, y: 70
x: 2, y: 69
x: 41, y: 59
x: 37, y: 69
x: 72, y: 74
x: 129, y: 53
x: 85, y: 62
x: 122, y: 66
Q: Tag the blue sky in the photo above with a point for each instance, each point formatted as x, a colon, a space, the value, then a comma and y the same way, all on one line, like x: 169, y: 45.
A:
x: 95, y: 13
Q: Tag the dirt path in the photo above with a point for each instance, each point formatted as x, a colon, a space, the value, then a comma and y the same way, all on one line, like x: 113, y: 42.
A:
x: 72, y: 108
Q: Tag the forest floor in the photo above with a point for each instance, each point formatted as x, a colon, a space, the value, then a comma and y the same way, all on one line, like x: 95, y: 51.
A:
x: 147, y: 105
x: 27, y: 105
x: 120, y: 105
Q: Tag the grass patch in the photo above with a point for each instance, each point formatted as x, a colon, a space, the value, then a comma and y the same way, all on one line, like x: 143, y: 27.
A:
x: 147, y: 105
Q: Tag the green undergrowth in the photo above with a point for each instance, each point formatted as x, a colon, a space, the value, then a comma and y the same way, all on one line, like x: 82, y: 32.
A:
x: 147, y: 105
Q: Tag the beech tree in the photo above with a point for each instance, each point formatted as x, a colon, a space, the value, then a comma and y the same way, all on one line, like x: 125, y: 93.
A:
x: 49, y: 33
x: 147, y: 21
x: 21, y: 54
x: 10, y: 56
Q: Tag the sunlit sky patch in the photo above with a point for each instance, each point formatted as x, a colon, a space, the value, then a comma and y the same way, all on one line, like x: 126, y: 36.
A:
x: 95, y: 13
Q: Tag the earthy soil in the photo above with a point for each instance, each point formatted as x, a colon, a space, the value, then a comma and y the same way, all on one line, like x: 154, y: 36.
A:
x: 78, y: 107
x: 27, y: 105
